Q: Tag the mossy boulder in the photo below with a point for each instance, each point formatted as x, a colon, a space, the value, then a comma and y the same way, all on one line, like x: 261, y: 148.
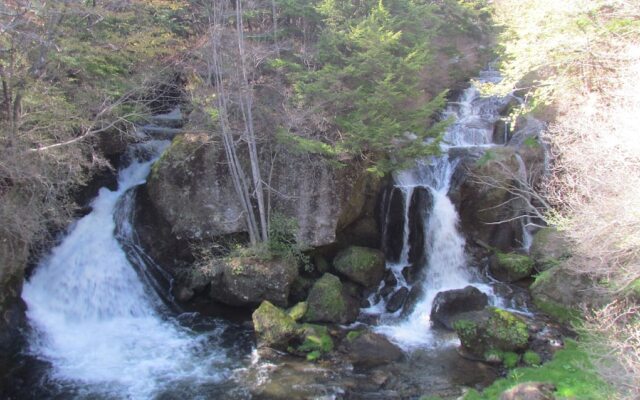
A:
x: 560, y: 292
x: 245, y: 281
x: 510, y: 267
x: 316, y: 342
x: 274, y: 327
x: 549, y: 248
x: 297, y: 312
x: 361, y: 265
x: 330, y: 301
x: 450, y: 303
x: 491, y: 330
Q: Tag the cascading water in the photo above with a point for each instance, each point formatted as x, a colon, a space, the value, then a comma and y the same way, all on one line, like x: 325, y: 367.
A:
x: 102, y: 329
x: 445, y: 262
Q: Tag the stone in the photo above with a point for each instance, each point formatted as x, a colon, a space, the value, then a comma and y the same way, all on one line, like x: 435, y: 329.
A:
x: 397, y: 300
x: 274, y: 327
x: 530, y: 391
x: 419, y: 211
x: 191, y: 188
x: 370, y: 349
x: 491, y: 330
x: 297, y: 312
x: 361, y: 265
x: 549, y: 248
x: 245, y: 281
x: 329, y: 301
x: 560, y: 292
x: 510, y: 267
x: 415, y: 295
x: 393, y: 223
x: 450, y: 303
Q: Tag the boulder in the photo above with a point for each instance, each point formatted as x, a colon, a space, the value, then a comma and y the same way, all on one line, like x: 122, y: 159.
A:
x: 274, y: 327
x: 297, y: 312
x: 419, y: 211
x: 450, y: 303
x: 415, y: 295
x: 393, y: 223
x: 191, y: 188
x: 368, y: 349
x: 329, y: 301
x: 244, y: 281
x: 510, y: 267
x: 491, y: 330
x: 361, y: 265
x: 316, y: 342
x: 559, y: 292
x: 530, y: 391
x: 397, y: 300
x: 549, y: 248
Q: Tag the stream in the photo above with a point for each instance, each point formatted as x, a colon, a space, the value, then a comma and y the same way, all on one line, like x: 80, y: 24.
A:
x: 103, y: 326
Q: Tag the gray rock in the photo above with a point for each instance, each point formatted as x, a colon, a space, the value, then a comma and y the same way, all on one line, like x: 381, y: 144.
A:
x: 370, y: 350
x: 397, y: 300
x: 361, y: 265
x: 450, y: 303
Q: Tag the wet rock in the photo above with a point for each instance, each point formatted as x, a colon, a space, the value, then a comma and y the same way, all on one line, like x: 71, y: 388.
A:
x: 394, y: 220
x: 397, y: 300
x: 321, y: 264
x: 530, y: 391
x: 329, y: 301
x: 450, y: 303
x: 300, y: 287
x: 242, y: 281
x: 369, y: 350
x: 390, y: 279
x: 491, y: 330
x: 415, y: 295
x: 419, y: 210
x: 411, y: 274
x: 274, y: 327
x: 510, y: 267
x: 549, y: 248
x: 361, y: 265
x: 387, y: 290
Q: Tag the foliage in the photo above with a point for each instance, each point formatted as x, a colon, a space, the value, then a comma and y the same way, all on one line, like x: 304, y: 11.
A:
x: 570, y: 371
x: 531, y: 358
x: 282, y: 240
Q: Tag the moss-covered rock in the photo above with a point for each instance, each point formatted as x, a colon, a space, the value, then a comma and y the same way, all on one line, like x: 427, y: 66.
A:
x: 560, y: 292
x: 361, y: 265
x: 316, y: 342
x: 297, y: 312
x: 274, y: 327
x: 549, y: 248
x: 510, y: 267
x: 329, y: 301
x: 491, y: 330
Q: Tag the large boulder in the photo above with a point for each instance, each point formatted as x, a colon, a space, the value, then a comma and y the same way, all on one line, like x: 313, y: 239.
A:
x: 530, y: 391
x: 549, y: 248
x: 361, y: 265
x: 330, y: 301
x: 243, y: 281
x: 368, y: 349
x: 491, y: 330
x: 510, y: 267
x: 560, y: 292
x: 191, y: 188
x: 451, y: 303
x: 274, y: 327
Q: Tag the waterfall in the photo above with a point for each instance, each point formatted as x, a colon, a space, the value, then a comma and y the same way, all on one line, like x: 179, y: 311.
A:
x: 96, y: 321
x: 445, y: 266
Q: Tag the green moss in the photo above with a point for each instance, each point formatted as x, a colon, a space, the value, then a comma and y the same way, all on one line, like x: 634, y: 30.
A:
x: 633, y: 290
x: 353, y: 335
x: 297, y: 312
x: 326, y: 302
x: 570, y: 371
x: 510, y: 359
x: 506, y: 327
x: 557, y: 310
x: 317, y: 341
x: 273, y: 326
x: 514, y: 266
x: 531, y: 358
x: 466, y: 330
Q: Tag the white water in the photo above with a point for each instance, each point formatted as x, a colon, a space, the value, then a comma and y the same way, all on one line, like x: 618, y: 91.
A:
x: 447, y: 264
x: 98, y: 324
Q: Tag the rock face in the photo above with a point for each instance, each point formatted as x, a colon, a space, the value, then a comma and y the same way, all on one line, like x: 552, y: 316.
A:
x: 361, y: 265
x: 330, y: 301
x: 558, y: 290
x: 191, y: 188
x: 245, y: 281
x: 393, y: 222
x: 419, y: 209
x: 273, y: 327
x: 370, y: 350
x: 490, y: 330
x: 510, y: 267
x: 448, y: 304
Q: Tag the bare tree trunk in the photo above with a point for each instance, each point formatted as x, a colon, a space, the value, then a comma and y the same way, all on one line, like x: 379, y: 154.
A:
x: 274, y: 15
x: 235, y: 168
x: 246, y: 104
